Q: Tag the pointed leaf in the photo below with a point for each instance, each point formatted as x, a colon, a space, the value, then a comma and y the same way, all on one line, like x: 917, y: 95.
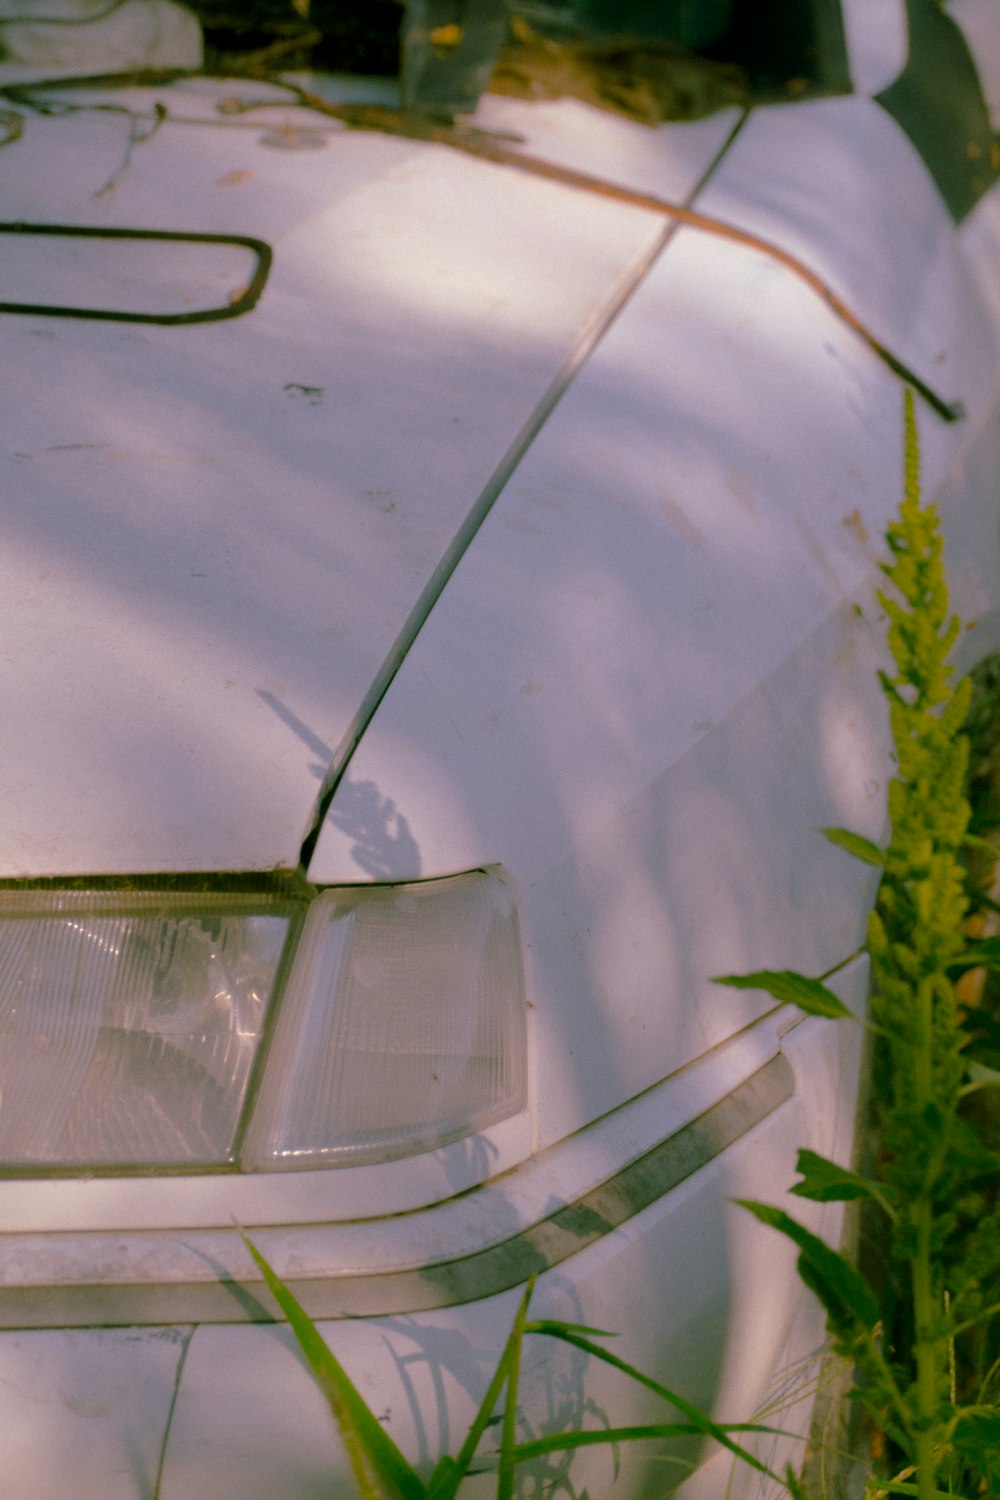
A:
x: 984, y: 955
x: 558, y: 1442
x: 896, y: 1487
x: 508, y: 1433
x: 824, y: 1182
x: 977, y: 1438
x: 547, y: 1325
x: 448, y: 1476
x: 445, y: 1479
x: 855, y: 844
x: 368, y: 1444
x: 791, y: 989
x: 840, y: 1287
x: 980, y: 1077
x: 698, y: 1419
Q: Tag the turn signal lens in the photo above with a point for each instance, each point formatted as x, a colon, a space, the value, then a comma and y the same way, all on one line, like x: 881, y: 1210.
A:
x: 403, y: 1026
x: 129, y: 1022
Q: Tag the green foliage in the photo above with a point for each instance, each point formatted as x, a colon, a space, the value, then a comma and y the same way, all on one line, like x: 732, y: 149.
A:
x: 855, y: 844
x: 375, y: 1460
x: 916, y: 1352
x: 851, y: 1306
x: 382, y: 1472
x: 826, y: 1182
x: 790, y: 988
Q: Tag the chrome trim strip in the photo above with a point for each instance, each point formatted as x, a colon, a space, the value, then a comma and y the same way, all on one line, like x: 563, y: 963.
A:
x: 146, y: 1297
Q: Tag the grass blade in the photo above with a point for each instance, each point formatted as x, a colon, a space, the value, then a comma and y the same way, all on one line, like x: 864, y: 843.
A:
x: 698, y: 1419
x: 451, y: 1471
x: 893, y: 1487
x: 794, y: 1488
x: 372, y: 1454
x: 508, y: 1434
x: 557, y: 1442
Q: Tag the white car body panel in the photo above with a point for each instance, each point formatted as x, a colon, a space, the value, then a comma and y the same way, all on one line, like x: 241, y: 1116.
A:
x: 978, y: 25
x: 84, y: 1411
x: 876, y: 36
x: 231, y: 548
x: 675, y: 564
x: 643, y: 687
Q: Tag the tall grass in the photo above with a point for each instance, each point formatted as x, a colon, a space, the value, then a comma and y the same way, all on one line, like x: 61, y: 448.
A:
x: 382, y: 1472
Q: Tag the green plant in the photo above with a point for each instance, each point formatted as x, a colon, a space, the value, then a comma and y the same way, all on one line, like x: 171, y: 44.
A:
x: 381, y: 1470
x: 917, y: 1343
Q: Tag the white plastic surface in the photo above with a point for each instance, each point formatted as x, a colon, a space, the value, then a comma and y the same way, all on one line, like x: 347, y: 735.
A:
x: 645, y: 686
x: 214, y: 533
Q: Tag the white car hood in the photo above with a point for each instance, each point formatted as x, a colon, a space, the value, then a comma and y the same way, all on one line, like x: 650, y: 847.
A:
x: 214, y: 533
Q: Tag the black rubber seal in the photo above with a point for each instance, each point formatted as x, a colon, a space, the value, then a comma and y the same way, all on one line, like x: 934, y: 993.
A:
x: 247, y: 298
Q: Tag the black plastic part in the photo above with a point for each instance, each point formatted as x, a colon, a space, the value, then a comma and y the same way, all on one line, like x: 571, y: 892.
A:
x: 790, y: 49
x: 445, y: 80
x: 247, y: 298
x: 938, y: 101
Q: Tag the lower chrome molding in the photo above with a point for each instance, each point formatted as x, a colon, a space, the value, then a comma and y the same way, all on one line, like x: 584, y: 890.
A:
x: 88, y: 1280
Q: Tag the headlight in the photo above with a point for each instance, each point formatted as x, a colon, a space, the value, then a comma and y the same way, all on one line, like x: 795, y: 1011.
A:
x: 129, y: 1023
x: 133, y: 1024
x: 403, y: 1027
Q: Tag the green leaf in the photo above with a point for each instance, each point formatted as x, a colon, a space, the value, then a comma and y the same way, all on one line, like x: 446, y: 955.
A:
x: 984, y: 955
x: 982, y: 1422
x: 980, y: 1077
x: 446, y: 1478
x: 791, y: 989
x: 697, y: 1418
x: 855, y: 844
x: 508, y: 1431
x: 973, y: 841
x: 896, y: 1487
x: 558, y: 1442
x: 977, y: 1439
x: 792, y: 1485
x: 369, y: 1447
x: 840, y: 1287
x: 824, y: 1182
x: 450, y: 1472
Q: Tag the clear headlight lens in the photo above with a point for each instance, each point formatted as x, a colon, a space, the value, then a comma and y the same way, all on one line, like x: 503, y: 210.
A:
x: 403, y: 1027
x: 131, y: 1024
x: 128, y: 1023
